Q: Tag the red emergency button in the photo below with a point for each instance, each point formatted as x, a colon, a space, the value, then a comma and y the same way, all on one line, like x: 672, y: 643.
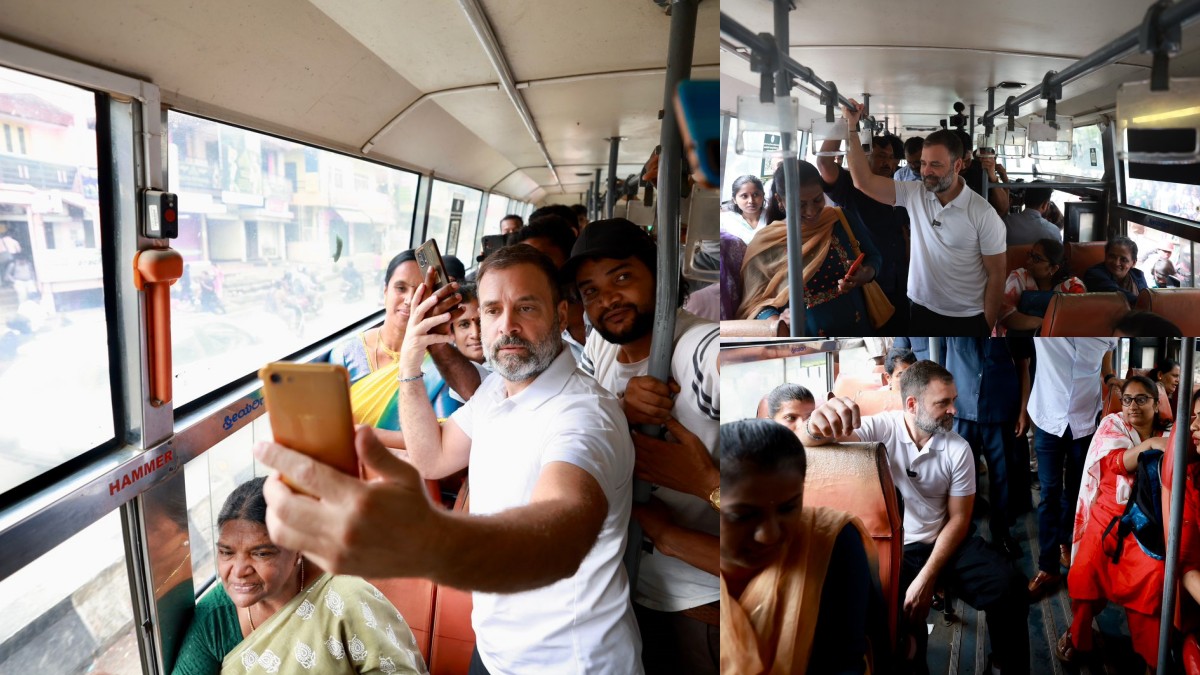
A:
x: 169, y: 215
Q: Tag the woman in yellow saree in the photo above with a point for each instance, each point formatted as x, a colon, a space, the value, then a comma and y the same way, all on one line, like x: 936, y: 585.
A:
x: 371, y: 357
x: 275, y: 612
x: 795, y: 581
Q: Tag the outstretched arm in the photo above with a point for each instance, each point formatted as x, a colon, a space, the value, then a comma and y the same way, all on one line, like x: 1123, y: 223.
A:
x: 880, y: 188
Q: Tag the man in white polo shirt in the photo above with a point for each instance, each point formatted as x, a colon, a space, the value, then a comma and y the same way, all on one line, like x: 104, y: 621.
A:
x: 934, y: 470
x: 956, y: 274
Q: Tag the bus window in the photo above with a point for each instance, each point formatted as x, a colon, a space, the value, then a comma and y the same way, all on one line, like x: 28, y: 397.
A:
x: 54, y: 369
x: 498, y: 206
x: 453, y: 214
x: 70, y: 610
x: 1087, y: 157
x: 758, y: 378
x: 1165, y: 259
x: 282, y: 244
x: 209, y: 479
x: 1173, y: 199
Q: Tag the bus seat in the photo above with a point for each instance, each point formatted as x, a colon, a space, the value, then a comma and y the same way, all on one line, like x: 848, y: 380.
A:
x: 453, y: 637
x: 1017, y: 255
x: 854, y: 477
x: 752, y: 328
x: 850, y: 385
x: 1082, y: 255
x: 875, y: 401
x: 415, y: 600
x: 1083, y: 314
x: 1177, y: 305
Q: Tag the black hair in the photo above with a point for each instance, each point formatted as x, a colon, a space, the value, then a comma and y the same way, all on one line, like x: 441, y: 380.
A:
x: 898, y: 355
x: 1124, y: 242
x: 550, y: 227
x: 739, y: 183
x: 965, y: 139
x: 520, y: 254
x: 513, y: 216
x: 1056, y: 255
x: 1036, y: 196
x: 402, y: 257
x: 1151, y: 387
x: 890, y: 141
x: 913, y: 145
x: 787, y: 392
x: 454, y: 267
x: 1164, y: 365
x: 1146, y: 324
x: 246, y: 502
x: 580, y: 210
x: 469, y: 292
x: 916, y: 379
x: 808, y: 175
x: 761, y: 445
x: 947, y: 139
x: 561, y: 210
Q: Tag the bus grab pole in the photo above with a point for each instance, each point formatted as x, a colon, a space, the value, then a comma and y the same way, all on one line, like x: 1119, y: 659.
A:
x: 610, y: 201
x: 791, y: 172
x: 679, y: 68
x: 1183, y: 414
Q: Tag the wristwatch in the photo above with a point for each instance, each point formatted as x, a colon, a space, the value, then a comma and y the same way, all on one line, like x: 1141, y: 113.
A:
x: 714, y: 499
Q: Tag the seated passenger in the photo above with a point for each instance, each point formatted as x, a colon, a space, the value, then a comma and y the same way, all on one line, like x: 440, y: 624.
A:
x: 273, y: 606
x: 833, y: 238
x: 749, y: 212
x: 1163, y: 274
x: 371, y: 358
x: 1145, y: 324
x: 1117, y: 272
x: 897, y: 361
x: 1189, y: 550
x: 790, y: 405
x: 934, y: 471
x: 733, y: 252
x: 1166, y: 373
x: 465, y: 326
x: 795, y: 581
x: 1104, y: 568
x: 1030, y: 225
x: 1027, y: 289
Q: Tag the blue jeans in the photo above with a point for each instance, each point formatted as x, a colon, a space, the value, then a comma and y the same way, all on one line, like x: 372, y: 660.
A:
x: 1060, y: 463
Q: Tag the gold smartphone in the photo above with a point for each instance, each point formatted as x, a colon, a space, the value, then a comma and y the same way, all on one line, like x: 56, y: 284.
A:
x: 428, y: 256
x: 309, y: 409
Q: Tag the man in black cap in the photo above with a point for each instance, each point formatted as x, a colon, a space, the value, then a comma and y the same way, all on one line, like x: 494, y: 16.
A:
x: 613, y: 266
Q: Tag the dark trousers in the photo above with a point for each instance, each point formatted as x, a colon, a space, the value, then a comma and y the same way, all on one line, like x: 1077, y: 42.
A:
x: 477, y: 667
x: 925, y: 321
x: 898, y: 324
x: 987, y: 582
x: 996, y: 443
x: 1060, y: 468
x: 674, y: 643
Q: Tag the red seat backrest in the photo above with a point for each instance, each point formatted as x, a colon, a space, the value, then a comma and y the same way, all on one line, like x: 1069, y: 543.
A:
x: 1017, y: 255
x: 854, y: 477
x: 1177, y: 305
x: 1082, y: 255
x: 453, y: 637
x: 1083, y: 314
x: 850, y: 385
x: 875, y: 401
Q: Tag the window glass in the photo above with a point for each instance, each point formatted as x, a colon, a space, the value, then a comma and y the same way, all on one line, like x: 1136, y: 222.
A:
x: 756, y: 379
x: 1087, y: 157
x: 53, y: 340
x: 1173, y: 199
x: 70, y: 611
x: 453, y: 212
x: 499, y: 206
x: 1171, y: 256
x: 283, y: 244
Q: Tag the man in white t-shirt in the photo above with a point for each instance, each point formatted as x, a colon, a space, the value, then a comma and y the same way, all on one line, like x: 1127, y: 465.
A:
x: 957, y: 268
x: 613, y: 267
x: 934, y: 470
x: 551, y: 471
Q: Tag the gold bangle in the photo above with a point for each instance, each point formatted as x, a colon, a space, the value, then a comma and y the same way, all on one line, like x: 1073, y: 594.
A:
x: 714, y: 499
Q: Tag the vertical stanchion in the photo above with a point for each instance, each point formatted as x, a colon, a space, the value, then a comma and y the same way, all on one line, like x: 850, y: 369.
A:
x: 791, y: 172
x: 1183, y: 415
x: 611, y: 200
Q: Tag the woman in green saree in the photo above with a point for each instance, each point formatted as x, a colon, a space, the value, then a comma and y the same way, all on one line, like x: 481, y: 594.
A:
x: 275, y: 612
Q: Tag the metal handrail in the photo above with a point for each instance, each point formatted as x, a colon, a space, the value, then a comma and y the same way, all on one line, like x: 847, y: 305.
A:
x: 1183, y: 409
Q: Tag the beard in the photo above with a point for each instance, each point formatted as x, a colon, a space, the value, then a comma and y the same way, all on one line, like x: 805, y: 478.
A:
x: 517, y: 368
x: 944, y: 183
x: 643, y: 323
x: 933, y: 425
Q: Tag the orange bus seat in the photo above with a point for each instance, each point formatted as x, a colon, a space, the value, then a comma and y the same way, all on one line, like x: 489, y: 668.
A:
x: 1017, y: 255
x: 753, y: 328
x: 1177, y: 305
x: 415, y: 599
x: 1083, y: 314
x: 854, y: 477
x: 875, y: 401
x: 1082, y: 255
x: 453, y: 637
x: 850, y: 385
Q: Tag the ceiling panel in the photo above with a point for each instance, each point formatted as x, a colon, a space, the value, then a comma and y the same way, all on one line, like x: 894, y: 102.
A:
x: 429, y: 137
x: 576, y: 134
x: 491, y: 115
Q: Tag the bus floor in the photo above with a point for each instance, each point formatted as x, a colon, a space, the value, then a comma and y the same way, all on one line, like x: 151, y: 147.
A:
x: 960, y: 645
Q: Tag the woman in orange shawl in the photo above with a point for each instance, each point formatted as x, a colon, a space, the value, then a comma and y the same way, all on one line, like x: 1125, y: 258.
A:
x: 795, y: 582
x: 832, y: 239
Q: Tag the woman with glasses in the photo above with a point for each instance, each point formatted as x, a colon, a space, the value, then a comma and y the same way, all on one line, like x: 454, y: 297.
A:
x: 1105, y: 568
x: 1027, y: 289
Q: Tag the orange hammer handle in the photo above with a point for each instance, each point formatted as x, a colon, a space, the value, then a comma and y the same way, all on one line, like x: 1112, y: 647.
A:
x: 154, y: 271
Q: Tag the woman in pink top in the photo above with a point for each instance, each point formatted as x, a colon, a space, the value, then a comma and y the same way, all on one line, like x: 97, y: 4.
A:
x: 1044, y: 270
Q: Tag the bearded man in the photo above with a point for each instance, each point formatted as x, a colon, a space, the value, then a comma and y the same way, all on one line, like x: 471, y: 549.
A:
x: 934, y: 470
x: 613, y: 267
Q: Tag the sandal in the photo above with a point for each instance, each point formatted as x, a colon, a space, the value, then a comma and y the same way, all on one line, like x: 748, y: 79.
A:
x: 1065, y: 649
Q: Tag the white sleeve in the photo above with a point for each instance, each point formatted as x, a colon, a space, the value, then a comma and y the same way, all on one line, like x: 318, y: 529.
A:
x: 596, y: 440
x: 905, y: 190
x: 962, y: 478
x: 463, y: 416
x: 703, y: 374
x: 993, y: 235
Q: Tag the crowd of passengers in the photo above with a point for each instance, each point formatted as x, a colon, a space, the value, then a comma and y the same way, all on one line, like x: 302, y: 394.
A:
x: 933, y: 246
x: 1100, y: 523
x: 528, y: 381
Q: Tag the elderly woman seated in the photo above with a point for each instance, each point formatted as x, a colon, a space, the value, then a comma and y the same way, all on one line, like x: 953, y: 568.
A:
x: 1117, y: 272
x: 795, y: 582
x: 274, y: 611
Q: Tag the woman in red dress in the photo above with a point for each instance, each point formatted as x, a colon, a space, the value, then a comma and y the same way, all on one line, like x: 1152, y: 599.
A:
x: 1135, y: 581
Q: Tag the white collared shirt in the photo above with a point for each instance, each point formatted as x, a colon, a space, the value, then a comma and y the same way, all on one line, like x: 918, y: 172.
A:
x: 1067, y: 389
x: 946, y: 274
x: 944, y: 468
x: 584, y: 623
x: 735, y: 224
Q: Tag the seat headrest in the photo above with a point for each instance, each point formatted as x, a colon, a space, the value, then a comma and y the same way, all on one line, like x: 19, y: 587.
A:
x: 751, y: 328
x: 1177, y: 305
x: 853, y: 477
x: 1083, y: 314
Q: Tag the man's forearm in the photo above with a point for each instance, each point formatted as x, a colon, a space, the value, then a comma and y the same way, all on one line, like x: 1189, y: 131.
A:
x: 993, y: 298
x: 948, y: 541
x: 456, y: 369
x: 422, y: 434
x: 698, y: 549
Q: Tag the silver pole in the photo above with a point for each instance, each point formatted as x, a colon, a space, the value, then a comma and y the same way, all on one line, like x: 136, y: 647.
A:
x: 1183, y: 410
x: 613, y: 144
x: 791, y: 174
x: 935, y: 349
x: 596, y: 202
